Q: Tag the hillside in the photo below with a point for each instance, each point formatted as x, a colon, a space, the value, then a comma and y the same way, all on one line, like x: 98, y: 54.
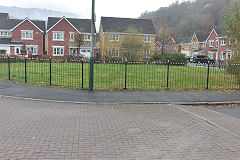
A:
x: 34, y: 13
x: 185, y: 18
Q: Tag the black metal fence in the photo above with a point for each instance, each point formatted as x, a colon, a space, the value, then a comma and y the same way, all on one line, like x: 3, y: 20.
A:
x: 74, y: 73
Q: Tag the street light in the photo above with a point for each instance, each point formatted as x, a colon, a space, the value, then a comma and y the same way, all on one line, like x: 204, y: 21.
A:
x: 92, y: 46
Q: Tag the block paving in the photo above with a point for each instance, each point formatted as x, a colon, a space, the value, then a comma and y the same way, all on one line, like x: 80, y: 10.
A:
x: 49, y: 130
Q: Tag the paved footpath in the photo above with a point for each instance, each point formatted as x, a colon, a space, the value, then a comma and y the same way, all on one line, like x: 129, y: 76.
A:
x: 204, y: 97
x: 50, y: 130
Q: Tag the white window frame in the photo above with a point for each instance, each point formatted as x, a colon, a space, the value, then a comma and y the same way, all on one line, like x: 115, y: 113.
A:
x: 55, y: 38
x: 87, y: 37
x: 217, y: 44
x: 147, y: 38
x: 5, y: 34
x: 33, y: 48
x: 113, y: 52
x: 210, y: 54
x: 222, y: 56
x: 211, y: 44
x: 57, y: 49
x: 146, y: 53
x: 223, y: 42
x: 71, y: 36
x: 114, y: 37
x: 27, y: 34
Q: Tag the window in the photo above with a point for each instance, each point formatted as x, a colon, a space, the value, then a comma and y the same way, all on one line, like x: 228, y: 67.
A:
x: 211, y: 43
x: 71, y: 34
x: 114, y: 37
x: 216, y: 44
x: 32, y: 50
x: 58, y: 36
x: 27, y: 35
x: 146, y: 54
x: 229, y: 43
x: 222, y: 56
x: 223, y: 42
x: 87, y: 37
x: 114, y: 52
x: 210, y: 55
x: 147, y: 38
x: 5, y: 34
x: 58, y: 51
x: 204, y: 44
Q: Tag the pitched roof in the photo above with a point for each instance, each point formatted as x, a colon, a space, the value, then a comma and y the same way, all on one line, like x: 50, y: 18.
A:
x: 9, y: 24
x: 9, y: 41
x: 113, y: 24
x: 201, y: 37
x: 84, y: 24
x: 40, y: 24
x: 4, y: 16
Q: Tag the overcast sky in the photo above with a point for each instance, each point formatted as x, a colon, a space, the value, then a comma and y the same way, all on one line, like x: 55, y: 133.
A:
x: 108, y: 8
x: 117, y: 8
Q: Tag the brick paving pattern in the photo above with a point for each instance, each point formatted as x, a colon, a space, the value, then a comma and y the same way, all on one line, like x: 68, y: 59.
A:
x: 47, y: 130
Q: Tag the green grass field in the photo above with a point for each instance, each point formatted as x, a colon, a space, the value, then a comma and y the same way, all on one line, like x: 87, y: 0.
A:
x: 112, y: 76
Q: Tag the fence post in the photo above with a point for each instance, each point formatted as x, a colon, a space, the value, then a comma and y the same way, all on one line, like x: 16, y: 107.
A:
x: 25, y: 70
x: 208, y: 75
x: 168, y: 74
x: 91, y: 73
x: 50, y: 69
x: 9, y: 74
x: 82, y: 73
x: 125, y: 74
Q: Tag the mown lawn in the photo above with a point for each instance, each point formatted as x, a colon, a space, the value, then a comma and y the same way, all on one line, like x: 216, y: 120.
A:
x: 112, y: 76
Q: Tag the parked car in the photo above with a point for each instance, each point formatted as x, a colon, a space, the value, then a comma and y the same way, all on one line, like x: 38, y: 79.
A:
x: 203, y: 59
x: 190, y: 59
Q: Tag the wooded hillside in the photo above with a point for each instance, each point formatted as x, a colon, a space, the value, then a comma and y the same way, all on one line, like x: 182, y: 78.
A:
x: 185, y: 18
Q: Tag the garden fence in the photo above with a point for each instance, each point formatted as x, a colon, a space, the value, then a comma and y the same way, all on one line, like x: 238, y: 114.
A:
x: 119, y: 75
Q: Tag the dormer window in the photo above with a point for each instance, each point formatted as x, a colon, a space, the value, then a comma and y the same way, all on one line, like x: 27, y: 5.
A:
x: 147, y: 38
x: 27, y: 35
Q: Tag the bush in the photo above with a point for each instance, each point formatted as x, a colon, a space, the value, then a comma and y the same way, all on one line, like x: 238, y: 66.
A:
x: 172, y: 57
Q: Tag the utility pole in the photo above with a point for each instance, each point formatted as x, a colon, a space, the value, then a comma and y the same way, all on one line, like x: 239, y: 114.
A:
x: 92, y: 46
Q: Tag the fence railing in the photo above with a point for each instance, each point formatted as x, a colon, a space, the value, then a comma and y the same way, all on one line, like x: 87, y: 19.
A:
x: 113, y: 75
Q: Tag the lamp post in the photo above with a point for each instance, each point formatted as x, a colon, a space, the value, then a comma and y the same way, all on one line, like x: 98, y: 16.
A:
x: 92, y: 46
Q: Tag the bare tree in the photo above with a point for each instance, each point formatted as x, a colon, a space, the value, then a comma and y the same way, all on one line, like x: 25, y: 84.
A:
x: 164, y: 34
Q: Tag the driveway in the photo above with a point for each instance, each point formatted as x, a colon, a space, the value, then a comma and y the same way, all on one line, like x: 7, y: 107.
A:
x: 51, y: 130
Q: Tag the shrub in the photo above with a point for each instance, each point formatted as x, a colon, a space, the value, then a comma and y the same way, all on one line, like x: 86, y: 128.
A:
x: 172, y: 57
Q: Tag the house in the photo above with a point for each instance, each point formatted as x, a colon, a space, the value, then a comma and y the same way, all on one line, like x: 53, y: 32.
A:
x: 171, y: 46
x: 113, y: 31
x: 61, y: 34
x: 158, y: 46
x: 18, y: 35
x: 31, y: 33
x: 224, y: 49
x: 193, y: 45
x: 212, y: 45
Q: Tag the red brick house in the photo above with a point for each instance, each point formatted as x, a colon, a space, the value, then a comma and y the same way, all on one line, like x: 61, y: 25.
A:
x: 224, y: 50
x: 218, y: 47
x: 31, y: 33
x: 17, y: 35
x: 171, y: 46
x: 158, y: 46
x: 60, y: 37
x: 212, y: 45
